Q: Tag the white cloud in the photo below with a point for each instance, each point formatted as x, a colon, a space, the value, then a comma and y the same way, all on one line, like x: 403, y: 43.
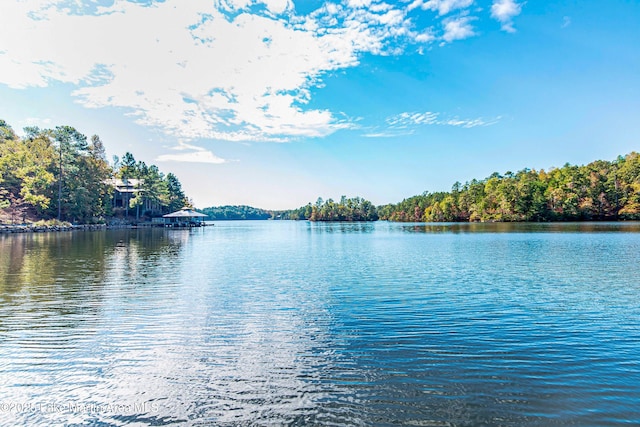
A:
x: 425, y: 37
x: 191, y: 154
x: 192, y: 157
x: 443, y: 7
x: 566, y: 21
x: 458, y: 29
x: 504, y: 11
x: 278, y: 6
x: 202, y: 68
x: 239, y: 70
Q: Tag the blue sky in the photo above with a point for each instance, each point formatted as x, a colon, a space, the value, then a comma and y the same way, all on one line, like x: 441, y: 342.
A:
x: 273, y: 103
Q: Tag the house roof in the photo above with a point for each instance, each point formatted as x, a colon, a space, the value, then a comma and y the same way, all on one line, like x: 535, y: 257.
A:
x: 185, y: 213
x: 127, y: 185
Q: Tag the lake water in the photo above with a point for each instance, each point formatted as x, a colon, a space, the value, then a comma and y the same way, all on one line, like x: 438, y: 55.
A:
x: 297, y: 323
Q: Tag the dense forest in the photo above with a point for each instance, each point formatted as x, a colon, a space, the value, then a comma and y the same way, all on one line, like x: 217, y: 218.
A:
x: 601, y: 190
x: 61, y: 174
x: 347, y: 209
x: 221, y: 213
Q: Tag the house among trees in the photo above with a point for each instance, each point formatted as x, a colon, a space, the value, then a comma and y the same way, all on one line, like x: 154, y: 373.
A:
x: 124, y: 190
x: 143, y: 190
x: 60, y: 173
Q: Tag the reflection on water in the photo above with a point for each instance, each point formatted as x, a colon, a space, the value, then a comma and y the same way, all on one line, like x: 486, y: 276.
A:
x: 294, y: 323
x: 522, y: 227
x: 340, y: 227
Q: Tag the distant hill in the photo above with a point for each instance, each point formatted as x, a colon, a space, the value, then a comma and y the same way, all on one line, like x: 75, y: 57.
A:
x: 222, y: 213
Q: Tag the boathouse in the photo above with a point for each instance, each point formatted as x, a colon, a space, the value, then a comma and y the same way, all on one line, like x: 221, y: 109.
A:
x: 185, y: 217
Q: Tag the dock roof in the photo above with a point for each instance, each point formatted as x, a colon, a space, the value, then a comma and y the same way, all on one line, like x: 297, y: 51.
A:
x: 185, y: 213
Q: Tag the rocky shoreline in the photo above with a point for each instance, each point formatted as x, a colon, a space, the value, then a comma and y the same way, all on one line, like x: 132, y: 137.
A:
x: 32, y: 228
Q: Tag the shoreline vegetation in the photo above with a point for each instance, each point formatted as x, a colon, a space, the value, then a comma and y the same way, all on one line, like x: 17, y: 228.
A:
x: 51, y: 179
x: 599, y: 191
x: 40, y: 227
x: 55, y: 179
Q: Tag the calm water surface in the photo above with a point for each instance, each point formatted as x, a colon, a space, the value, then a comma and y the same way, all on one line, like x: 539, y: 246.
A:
x: 295, y: 323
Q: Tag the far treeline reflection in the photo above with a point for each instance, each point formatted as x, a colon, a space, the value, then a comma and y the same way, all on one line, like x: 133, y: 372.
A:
x: 35, y: 262
x: 601, y: 190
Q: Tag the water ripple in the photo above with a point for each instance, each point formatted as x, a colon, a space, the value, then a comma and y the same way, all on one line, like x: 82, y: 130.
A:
x: 286, y: 323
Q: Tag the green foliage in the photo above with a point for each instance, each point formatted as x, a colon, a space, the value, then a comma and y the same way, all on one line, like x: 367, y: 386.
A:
x: 176, y: 198
x: 155, y: 193
x: 26, y: 171
x: 85, y: 193
x: 6, y: 132
x: 235, y: 213
x: 51, y: 223
x: 152, y: 192
x: 58, y: 173
x: 600, y: 190
x: 353, y: 209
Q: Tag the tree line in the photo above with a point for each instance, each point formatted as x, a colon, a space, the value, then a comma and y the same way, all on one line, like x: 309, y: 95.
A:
x: 61, y: 174
x: 601, y: 190
x: 235, y: 213
x: 347, y: 209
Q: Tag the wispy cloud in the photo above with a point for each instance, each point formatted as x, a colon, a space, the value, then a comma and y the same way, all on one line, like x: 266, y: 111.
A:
x: 389, y: 133
x: 190, y: 154
x: 504, y: 11
x: 566, y: 21
x: 404, y: 119
x: 192, y: 157
x: 406, y: 123
x: 214, y: 69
